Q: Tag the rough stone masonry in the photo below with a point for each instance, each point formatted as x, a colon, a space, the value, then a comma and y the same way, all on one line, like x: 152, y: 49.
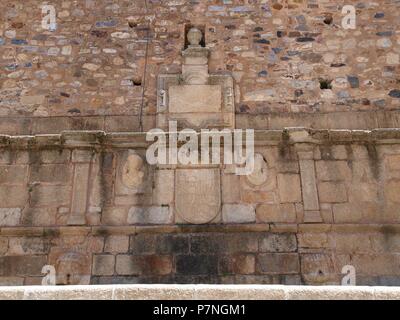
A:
x: 77, y: 194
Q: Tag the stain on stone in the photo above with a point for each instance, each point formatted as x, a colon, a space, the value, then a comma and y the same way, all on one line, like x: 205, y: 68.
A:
x: 106, y: 164
x: 395, y: 93
x: 373, y: 159
x: 338, y: 65
x: 326, y: 152
x: 196, y: 265
x: 74, y: 110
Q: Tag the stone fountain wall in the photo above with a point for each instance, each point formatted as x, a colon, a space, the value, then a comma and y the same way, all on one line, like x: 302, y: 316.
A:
x: 329, y: 199
x: 87, y: 204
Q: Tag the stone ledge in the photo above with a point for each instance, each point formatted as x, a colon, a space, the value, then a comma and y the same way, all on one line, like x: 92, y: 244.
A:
x: 293, y: 135
x: 199, y: 292
x: 184, y: 229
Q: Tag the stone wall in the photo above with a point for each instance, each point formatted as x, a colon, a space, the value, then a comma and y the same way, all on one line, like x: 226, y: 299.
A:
x: 292, y: 62
x: 328, y: 199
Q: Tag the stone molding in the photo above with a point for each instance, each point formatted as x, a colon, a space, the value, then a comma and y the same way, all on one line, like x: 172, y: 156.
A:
x: 101, y: 139
x: 182, y: 229
x: 199, y: 292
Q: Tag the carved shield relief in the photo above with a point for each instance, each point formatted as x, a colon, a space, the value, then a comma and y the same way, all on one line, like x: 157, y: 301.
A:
x: 197, y: 196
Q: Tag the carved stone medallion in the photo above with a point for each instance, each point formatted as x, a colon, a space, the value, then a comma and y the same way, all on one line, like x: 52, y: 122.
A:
x: 133, y: 171
x: 260, y: 173
x: 133, y: 174
x: 197, y: 195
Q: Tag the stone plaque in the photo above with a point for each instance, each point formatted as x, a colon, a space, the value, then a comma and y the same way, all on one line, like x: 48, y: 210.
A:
x: 195, y: 98
x: 197, y: 195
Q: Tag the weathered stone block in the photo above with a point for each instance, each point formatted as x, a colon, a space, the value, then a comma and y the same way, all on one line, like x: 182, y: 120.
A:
x: 172, y: 244
x: 55, y: 156
x: 51, y: 173
x: 150, y: 215
x: 238, y: 213
x: 326, y: 213
x: 143, y: 265
x: 278, y: 242
x: 289, y: 188
x: 392, y: 191
x: 10, y: 217
x: 11, y: 266
x: 332, y: 192
x: 333, y: 170
x: 3, y: 245
x: 143, y: 243
x: 196, y: 265
x: 103, y: 265
x: 358, y: 243
x: 163, y: 193
x: 114, y: 216
x: 339, y: 152
x: 285, y: 213
x: 50, y: 195
x: 222, y: 244
x: 12, y: 281
x: 363, y: 192
x: 312, y: 216
x: 382, y: 264
x: 393, y: 162
x: 28, y: 246
x: 230, y: 188
x: 243, y: 264
x: 278, y: 263
x: 116, y: 244
x: 13, y: 196
x: 40, y: 217
x: 313, y: 240
x: 255, y: 196
x: 13, y: 174
x: 346, y: 212
x: 85, y: 156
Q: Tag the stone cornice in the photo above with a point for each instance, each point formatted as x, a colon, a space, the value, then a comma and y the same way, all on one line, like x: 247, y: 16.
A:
x: 185, y: 229
x: 101, y: 139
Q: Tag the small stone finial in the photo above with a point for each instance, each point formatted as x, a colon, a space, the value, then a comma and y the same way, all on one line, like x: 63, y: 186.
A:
x: 194, y: 36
